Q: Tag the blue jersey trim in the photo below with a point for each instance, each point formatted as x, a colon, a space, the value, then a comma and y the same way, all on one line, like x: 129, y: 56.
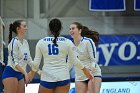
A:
x: 91, y: 45
x: 12, y: 50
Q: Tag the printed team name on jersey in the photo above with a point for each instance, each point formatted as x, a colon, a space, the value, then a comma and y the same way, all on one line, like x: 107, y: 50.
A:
x: 51, y: 39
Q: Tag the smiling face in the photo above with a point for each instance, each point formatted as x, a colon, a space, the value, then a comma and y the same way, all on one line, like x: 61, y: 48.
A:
x: 74, y: 31
x: 22, y: 29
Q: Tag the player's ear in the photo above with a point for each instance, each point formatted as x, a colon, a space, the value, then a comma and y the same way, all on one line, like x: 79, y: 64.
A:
x: 80, y: 31
x: 17, y: 28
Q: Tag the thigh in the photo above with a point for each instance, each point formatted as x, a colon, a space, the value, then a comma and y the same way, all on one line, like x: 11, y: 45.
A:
x: 62, y: 89
x: 81, y: 87
x: 97, y: 84
x: 94, y: 86
x: 8, y: 85
x: 45, y: 90
x: 21, y: 86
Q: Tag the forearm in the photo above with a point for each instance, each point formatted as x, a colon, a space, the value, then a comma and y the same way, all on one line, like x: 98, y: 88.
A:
x: 78, y: 63
x: 19, y: 68
x: 87, y: 73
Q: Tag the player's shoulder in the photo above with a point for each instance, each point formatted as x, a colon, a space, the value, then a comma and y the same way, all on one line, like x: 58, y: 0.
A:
x: 86, y: 39
x: 14, y: 40
x: 46, y: 40
x: 42, y: 40
x: 25, y: 40
x: 68, y: 41
x: 63, y: 38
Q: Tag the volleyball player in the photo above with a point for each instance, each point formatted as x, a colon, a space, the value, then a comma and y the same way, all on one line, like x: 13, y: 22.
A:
x: 18, y: 58
x: 86, y: 51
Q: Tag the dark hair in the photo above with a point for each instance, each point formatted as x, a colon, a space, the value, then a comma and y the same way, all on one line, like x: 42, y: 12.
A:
x: 55, y: 27
x: 13, y: 28
x: 94, y: 35
x: 79, y: 25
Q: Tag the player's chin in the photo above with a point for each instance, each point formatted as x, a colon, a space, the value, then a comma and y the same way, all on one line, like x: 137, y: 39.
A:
x: 72, y: 35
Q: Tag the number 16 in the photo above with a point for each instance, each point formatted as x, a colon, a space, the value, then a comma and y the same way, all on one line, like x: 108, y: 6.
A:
x: 53, y: 49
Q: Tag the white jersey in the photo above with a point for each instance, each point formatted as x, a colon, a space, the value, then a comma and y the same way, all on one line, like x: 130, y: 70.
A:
x: 54, y: 56
x: 18, y: 53
x: 86, y: 52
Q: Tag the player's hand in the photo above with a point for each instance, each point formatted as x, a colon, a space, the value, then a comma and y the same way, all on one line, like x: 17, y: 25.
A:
x: 87, y: 73
x: 92, y: 69
x: 31, y: 75
x: 39, y: 72
x: 3, y: 64
x: 27, y: 80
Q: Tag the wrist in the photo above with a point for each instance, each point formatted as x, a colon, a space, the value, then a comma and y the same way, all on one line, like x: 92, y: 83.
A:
x: 83, y: 68
x: 25, y: 73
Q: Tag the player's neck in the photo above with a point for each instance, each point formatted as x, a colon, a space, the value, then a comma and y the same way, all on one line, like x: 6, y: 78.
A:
x: 20, y: 38
x: 77, y: 40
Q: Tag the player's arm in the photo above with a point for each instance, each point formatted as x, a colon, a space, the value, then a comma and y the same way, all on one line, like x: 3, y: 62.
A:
x: 92, y: 53
x: 77, y: 62
x: 14, y: 53
x: 72, y: 59
x: 36, y: 62
x: 37, y: 59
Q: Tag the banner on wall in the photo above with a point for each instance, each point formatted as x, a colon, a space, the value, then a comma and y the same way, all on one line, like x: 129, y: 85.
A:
x: 116, y: 50
x: 137, y: 5
x: 107, y: 5
x: 119, y: 50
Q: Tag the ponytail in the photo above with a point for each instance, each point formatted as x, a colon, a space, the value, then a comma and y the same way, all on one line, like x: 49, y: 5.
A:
x: 55, y: 28
x: 55, y: 40
x: 13, y: 27
x: 10, y: 32
x: 94, y: 35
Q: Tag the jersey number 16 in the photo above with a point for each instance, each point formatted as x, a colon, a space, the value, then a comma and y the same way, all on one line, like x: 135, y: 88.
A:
x: 53, y: 49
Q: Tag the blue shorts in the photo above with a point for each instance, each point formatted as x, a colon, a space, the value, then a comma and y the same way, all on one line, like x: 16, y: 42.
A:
x: 52, y: 85
x: 10, y: 72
